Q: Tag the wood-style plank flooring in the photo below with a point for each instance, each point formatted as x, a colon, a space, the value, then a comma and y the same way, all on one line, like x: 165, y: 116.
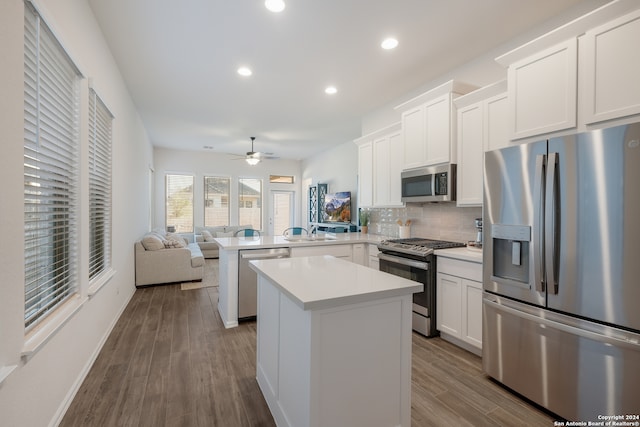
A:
x: 170, y: 362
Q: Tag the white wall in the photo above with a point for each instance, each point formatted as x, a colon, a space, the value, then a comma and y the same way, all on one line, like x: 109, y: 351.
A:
x: 38, y: 391
x: 201, y: 164
x: 336, y: 167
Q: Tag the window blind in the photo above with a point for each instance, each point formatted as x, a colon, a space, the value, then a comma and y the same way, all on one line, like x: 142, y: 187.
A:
x: 216, y: 201
x: 100, y: 133
x: 51, y: 103
x: 179, y: 202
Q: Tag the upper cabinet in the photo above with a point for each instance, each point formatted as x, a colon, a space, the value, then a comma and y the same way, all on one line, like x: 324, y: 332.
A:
x: 429, y: 125
x: 482, y: 126
x: 611, y: 65
x: 577, y: 76
x: 542, y: 91
x: 380, y: 156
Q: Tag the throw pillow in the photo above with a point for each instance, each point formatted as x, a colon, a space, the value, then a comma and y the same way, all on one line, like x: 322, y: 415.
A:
x: 207, y: 236
x: 174, y: 241
x: 152, y: 242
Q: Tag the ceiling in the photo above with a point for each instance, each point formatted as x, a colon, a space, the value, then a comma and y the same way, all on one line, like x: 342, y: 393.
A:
x: 179, y: 61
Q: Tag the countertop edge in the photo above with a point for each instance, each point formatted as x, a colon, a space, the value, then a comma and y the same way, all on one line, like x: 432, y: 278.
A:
x: 463, y: 254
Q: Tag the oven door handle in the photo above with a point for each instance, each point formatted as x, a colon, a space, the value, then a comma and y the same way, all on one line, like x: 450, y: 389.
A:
x: 404, y: 261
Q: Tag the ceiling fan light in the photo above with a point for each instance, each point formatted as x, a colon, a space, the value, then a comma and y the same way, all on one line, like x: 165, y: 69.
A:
x: 274, y: 5
x: 252, y: 161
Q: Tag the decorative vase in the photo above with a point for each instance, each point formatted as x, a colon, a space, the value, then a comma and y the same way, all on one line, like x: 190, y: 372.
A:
x: 365, y: 229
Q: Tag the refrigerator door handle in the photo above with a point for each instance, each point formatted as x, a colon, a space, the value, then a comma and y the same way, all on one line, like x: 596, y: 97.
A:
x: 550, y: 224
x: 538, y: 222
x: 547, y: 323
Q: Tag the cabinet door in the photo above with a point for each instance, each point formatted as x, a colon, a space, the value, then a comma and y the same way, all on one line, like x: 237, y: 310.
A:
x: 470, y: 154
x: 472, y: 312
x: 338, y: 251
x: 359, y: 255
x: 395, y: 169
x: 496, y: 129
x: 612, y: 61
x: 413, y: 136
x: 542, y: 91
x: 365, y: 174
x: 381, y: 172
x: 449, y: 293
x: 438, y: 130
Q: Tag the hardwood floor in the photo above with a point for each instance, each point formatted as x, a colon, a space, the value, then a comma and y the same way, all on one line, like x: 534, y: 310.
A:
x: 170, y: 362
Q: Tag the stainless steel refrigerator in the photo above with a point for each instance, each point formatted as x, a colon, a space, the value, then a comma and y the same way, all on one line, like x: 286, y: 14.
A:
x: 561, y: 306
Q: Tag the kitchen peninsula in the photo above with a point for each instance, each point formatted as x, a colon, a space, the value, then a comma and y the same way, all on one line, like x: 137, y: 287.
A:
x: 341, y: 244
x: 333, y: 342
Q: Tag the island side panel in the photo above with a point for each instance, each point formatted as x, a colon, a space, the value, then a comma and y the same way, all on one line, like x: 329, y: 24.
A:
x: 361, y: 364
x: 228, y: 288
x: 267, y: 344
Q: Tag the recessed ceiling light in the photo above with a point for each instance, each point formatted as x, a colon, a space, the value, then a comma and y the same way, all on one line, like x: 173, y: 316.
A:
x: 330, y: 90
x: 244, y: 71
x: 274, y: 5
x: 389, y: 43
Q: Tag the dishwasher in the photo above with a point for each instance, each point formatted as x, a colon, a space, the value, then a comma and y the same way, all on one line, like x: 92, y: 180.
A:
x: 248, y: 279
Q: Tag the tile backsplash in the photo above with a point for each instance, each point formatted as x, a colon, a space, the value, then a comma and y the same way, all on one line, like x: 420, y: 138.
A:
x: 442, y: 221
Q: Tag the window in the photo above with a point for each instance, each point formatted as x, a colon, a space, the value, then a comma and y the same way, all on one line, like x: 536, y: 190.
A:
x: 250, y: 202
x: 100, y: 125
x: 179, y: 203
x: 51, y: 140
x: 281, y: 179
x: 216, y: 201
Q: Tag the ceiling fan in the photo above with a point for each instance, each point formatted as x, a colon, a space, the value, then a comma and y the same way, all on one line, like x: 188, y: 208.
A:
x: 254, y: 157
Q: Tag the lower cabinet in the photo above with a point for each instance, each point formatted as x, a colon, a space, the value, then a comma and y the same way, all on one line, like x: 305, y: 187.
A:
x: 459, y: 303
x: 373, y: 251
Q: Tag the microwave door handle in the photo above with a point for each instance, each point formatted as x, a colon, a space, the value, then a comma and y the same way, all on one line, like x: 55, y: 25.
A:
x: 551, y: 222
x: 538, y: 222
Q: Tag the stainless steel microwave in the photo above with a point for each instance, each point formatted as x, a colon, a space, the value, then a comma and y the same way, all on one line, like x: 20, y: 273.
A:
x: 430, y: 184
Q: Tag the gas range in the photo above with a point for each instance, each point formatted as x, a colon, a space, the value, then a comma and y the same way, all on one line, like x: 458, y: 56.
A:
x: 415, y: 246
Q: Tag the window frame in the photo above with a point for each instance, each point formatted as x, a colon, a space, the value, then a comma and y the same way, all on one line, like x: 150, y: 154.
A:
x: 51, y: 173
x: 242, y: 203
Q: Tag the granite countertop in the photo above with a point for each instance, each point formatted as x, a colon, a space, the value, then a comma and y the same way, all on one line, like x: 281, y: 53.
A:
x: 320, y: 282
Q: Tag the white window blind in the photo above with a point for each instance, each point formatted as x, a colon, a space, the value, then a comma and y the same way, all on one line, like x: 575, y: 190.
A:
x: 100, y: 127
x: 179, y: 203
x: 216, y: 201
x: 51, y: 103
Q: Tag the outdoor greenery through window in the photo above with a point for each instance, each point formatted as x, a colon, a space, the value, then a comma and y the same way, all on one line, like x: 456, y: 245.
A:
x: 100, y: 125
x: 51, y: 141
x: 216, y: 200
x: 179, y: 203
x: 250, y: 202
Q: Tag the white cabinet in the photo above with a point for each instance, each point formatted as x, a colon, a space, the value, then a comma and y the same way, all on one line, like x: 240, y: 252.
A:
x: 428, y: 126
x: 611, y: 64
x: 482, y: 126
x: 338, y: 251
x: 373, y: 251
x: 542, y: 91
x: 379, y: 167
x: 459, y: 302
x: 365, y: 174
x: 580, y: 76
x: 359, y: 254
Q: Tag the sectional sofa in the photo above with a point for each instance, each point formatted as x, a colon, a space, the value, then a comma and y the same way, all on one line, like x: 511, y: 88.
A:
x: 204, y: 237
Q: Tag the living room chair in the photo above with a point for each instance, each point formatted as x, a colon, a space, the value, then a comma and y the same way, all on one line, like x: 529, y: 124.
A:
x: 247, y: 232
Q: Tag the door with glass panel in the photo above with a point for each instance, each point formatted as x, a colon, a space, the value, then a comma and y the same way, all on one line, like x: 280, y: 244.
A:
x: 281, y: 215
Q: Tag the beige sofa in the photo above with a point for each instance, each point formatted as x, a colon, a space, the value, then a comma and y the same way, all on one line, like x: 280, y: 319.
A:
x: 210, y: 248
x: 165, y: 258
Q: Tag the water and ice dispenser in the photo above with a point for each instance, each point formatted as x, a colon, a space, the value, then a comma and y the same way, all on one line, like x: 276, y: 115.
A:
x: 511, y: 244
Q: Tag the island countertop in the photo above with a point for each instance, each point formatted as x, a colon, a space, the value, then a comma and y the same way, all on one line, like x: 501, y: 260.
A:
x: 319, y: 282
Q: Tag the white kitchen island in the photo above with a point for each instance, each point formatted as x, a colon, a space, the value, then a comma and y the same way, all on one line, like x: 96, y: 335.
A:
x: 334, y: 343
